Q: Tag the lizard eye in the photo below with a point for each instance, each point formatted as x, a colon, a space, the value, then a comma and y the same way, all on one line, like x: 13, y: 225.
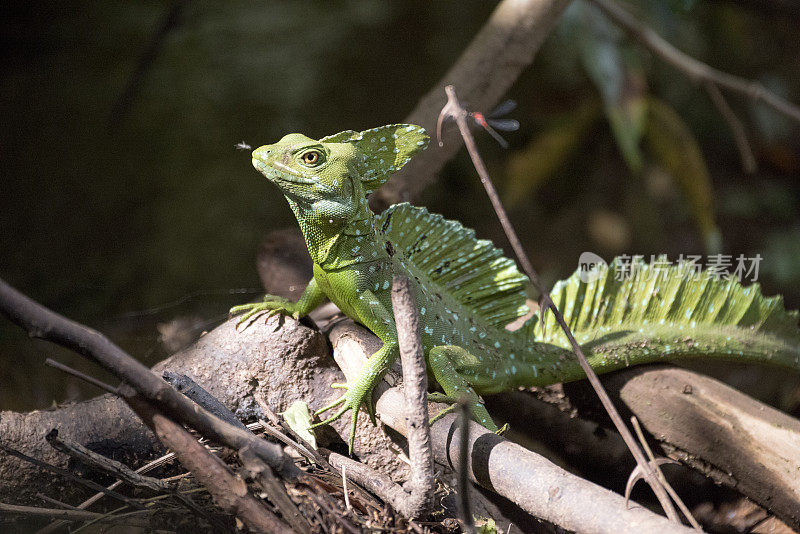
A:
x: 312, y: 157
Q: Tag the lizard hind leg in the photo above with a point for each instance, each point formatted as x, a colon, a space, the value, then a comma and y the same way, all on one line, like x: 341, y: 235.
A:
x: 444, y: 362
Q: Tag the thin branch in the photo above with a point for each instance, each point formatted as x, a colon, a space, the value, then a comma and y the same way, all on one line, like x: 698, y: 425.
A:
x: 275, y: 491
x: 378, y: 483
x: 465, y: 507
x: 67, y: 515
x: 291, y: 438
x: 56, y: 502
x: 83, y: 376
x: 698, y: 72
x: 43, y: 323
x: 127, y: 475
x: 52, y: 527
x: 421, y: 483
x: 229, y: 492
x: 107, y: 465
x: 454, y: 109
x: 170, y: 20
x: 66, y: 474
x: 344, y: 488
x: 656, y: 463
x: 735, y: 125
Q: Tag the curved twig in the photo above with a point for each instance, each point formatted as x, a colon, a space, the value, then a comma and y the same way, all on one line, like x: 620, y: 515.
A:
x: 453, y: 109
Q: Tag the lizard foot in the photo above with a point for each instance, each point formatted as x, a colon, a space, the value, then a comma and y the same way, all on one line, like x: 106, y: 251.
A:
x: 271, y: 305
x: 352, y: 399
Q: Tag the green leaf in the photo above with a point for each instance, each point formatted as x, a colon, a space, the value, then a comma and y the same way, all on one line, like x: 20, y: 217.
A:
x: 661, y: 311
x: 627, y: 119
x: 532, y: 166
x: 674, y: 148
x: 619, y: 80
x: 298, y: 417
x: 485, y: 525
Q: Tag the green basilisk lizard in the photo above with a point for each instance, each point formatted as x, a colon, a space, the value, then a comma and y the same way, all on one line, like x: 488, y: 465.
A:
x: 467, y: 292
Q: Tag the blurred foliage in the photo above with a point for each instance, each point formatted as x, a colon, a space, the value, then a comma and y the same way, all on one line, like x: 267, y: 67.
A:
x: 129, y: 213
x: 675, y: 150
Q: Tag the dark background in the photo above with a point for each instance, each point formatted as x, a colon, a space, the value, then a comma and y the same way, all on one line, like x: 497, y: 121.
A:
x: 124, y: 205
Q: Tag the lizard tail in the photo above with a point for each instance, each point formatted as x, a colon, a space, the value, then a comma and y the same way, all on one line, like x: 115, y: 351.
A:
x: 669, y: 314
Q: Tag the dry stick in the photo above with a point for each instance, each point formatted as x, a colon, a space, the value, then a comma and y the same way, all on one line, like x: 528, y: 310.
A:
x: 43, y: 323
x: 463, y: 470
x: 344, y: 489
x: 320, y: 501
x: 83, y: 376
x: 697, y: 71
x: 229, y: 492
x: 275, y: 490
x: 107, y: 465
x: 169, y: 22
x: 453, y: 109
x: 736, y: 126
x: 421, y: 483
x: 124, y: 473
x: 293, y: 439
x: 67, y: 474
x: 57, y: 502
x: 305, y: 450
x: 656, y: 462
x: 52, y: 527
x: 419, y: 501
x: 66, y: 515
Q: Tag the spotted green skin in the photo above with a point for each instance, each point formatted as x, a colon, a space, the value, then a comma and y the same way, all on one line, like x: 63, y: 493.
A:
x: 356, y: 253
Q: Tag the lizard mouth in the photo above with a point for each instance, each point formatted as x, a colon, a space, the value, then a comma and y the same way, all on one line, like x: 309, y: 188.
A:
x: 277, y: 171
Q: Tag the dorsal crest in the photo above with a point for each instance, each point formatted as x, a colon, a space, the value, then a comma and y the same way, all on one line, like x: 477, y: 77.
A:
x: 384, y: 150
x: 471, y: 270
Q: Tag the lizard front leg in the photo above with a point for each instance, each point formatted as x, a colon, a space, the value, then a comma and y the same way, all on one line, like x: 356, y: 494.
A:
x: 310, y: 299
x: 374, y: 315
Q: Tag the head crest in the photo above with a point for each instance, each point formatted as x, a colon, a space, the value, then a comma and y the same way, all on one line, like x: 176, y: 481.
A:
x: 384, y: 149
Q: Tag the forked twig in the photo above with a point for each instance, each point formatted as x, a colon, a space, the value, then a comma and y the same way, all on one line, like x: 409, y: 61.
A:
x: 657, y: 462
x: 453, y: 109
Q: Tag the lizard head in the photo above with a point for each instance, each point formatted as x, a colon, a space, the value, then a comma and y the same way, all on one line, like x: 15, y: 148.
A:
x: 334, y: 174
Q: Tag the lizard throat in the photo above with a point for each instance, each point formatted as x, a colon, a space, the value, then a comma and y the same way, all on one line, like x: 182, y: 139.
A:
x: 335, y: 243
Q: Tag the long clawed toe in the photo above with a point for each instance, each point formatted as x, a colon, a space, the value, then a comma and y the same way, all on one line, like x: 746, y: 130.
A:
x: 344, y: 403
